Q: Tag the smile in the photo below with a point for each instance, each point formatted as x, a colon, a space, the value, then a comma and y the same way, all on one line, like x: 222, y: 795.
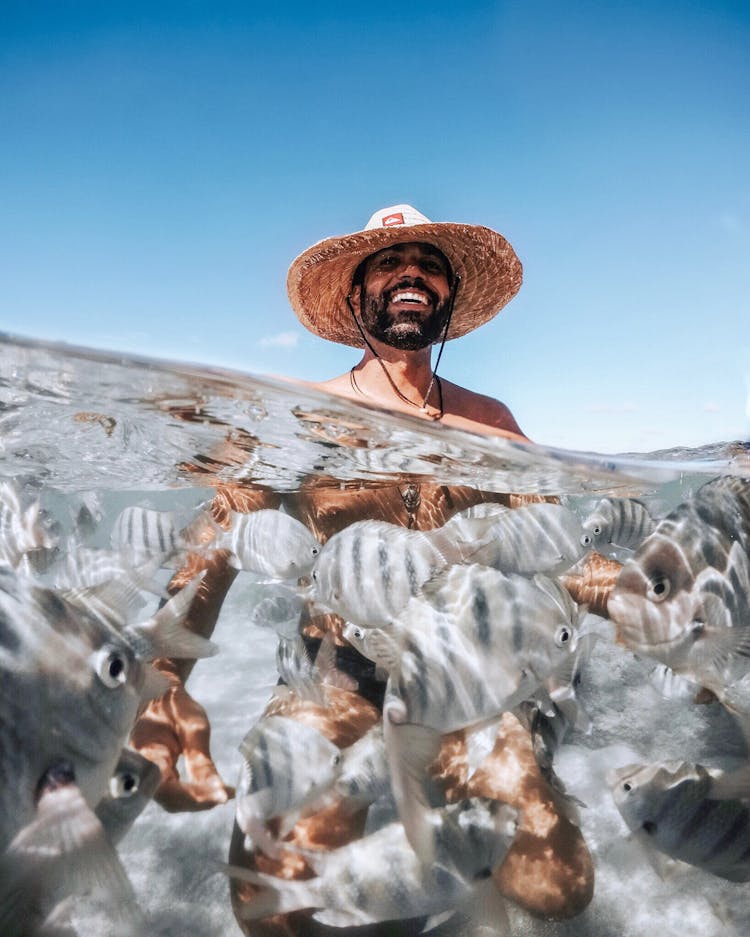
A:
x: 407, y: 296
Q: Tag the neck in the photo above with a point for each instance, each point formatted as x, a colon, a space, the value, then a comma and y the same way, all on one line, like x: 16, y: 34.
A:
x: 388, y: 376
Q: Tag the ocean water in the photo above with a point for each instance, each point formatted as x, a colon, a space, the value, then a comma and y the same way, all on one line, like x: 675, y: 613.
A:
x: 81, y: 427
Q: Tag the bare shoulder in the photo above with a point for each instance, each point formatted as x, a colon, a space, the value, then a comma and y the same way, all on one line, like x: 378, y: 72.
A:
x: 478, y: 412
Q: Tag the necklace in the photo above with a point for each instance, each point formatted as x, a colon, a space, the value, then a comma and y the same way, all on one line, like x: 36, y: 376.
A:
x: 423, y: 406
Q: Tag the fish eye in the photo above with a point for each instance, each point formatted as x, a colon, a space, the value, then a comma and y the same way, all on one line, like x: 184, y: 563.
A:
x: 123, y: 784
x: 648, y: 826
x: 315, y: 551
x: 111, y: 666
x: 627, y: 787
x: 563, y: 636
x: 586, y: 540
x: 336, y: 760
x: 659, y: 589
x: 484, y: 873
x: 358, y: 633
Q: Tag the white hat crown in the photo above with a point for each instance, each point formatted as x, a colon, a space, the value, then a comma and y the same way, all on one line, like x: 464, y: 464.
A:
x: 396, y: 216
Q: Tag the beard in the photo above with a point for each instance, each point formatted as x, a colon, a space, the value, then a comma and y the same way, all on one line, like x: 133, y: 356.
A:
x: 406, y: 330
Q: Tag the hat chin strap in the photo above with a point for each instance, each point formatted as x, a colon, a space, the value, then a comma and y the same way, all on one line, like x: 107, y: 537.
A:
x: 433, y: 378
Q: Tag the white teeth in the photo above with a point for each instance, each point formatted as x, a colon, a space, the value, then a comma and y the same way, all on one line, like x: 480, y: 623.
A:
x: 410, y: 298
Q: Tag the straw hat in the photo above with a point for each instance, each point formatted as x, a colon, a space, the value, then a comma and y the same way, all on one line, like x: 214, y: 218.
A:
x: 320, y: 278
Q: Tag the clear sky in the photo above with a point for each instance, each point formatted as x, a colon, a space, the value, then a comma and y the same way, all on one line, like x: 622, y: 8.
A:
x: 161, y: 163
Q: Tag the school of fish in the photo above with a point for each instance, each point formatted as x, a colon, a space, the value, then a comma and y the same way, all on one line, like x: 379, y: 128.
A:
x: 462, y: 624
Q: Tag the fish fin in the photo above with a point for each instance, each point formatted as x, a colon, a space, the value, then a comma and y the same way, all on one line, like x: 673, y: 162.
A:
x: 480, y: 740
x: 383, y: 648
x: 155, y: 684
x: 65, y: 851
x: 435, y: 920
x: 411, y: 749
x: 327, y: 670
x: 165, y: 633
x: 722, y: 649
x: 670, y: 685
x: 336, y: 917
x: 276, y: 895
x: 663, y: 866
x: 731, y: 785
x: 559, y: 595
x: 287, y: 822
x: 489, y: 909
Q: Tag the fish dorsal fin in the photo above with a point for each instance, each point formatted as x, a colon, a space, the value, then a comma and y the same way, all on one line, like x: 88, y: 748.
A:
x: 165, y: 633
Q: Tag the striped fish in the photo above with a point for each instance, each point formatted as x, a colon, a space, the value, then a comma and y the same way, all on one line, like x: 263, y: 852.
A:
x: 683, y: 810
x: 535, y: 538
x: 619, y: 522
x: 271, y: 543
x: 364, y: 773
x: 368, y: 572
x: 684, y: 597
x: 477, y: 644
x: 288, y: 768
x: 22, y: 531
x: 379, y: 877
x: 144, y: 534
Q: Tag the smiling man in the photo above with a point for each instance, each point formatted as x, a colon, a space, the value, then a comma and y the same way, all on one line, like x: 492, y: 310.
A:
x: 398, y: 288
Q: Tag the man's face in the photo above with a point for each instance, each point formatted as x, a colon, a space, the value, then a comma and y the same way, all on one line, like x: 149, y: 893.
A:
x: 405, y: 293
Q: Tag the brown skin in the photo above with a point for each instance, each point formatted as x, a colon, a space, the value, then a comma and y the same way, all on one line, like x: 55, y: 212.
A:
x: 411, y: 370
x: 548, y: 870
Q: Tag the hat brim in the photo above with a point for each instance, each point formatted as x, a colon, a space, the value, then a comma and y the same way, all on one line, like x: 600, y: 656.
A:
x: 320, y: 278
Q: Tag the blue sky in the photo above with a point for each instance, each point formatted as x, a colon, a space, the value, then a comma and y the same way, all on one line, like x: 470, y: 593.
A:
x: 162, y: 163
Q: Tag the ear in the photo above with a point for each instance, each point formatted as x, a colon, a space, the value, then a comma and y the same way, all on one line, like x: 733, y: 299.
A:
x: 355, y: 294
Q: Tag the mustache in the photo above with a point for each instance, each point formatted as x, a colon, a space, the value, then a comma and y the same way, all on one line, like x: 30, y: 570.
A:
x: 411, y: 283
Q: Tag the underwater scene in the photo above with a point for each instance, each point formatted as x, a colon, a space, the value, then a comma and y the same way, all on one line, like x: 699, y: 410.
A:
x: 275, y: 663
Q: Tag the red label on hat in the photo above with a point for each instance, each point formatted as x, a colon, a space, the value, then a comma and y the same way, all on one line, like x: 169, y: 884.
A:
x: 395, y: 218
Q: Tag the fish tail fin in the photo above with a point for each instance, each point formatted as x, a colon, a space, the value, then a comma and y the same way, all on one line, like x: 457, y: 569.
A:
x: 411, y: 749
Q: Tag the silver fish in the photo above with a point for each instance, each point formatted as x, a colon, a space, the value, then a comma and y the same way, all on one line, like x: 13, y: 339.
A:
x: 130, y: 789
x: 62, y: 855
x: 288, y: 768
x: 379, y: 877
x: 684, y: 597
x: 620, y: 522
x: 486, y: 642
x: 364, y: 773
x: 535, y: 538
x: 682, y: 810
x: 280, y: 607
x: 143, y: 534
x: 271, y: 543
x: 22, y: 531
x: 368, y: 572
x: 306, y: 676
x: 70, y: 688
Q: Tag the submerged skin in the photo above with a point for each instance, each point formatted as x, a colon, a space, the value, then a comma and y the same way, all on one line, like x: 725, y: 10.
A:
x: 548, y: 869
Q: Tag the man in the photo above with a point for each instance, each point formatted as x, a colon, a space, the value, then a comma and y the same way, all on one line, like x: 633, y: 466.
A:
x: 396, y: 289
